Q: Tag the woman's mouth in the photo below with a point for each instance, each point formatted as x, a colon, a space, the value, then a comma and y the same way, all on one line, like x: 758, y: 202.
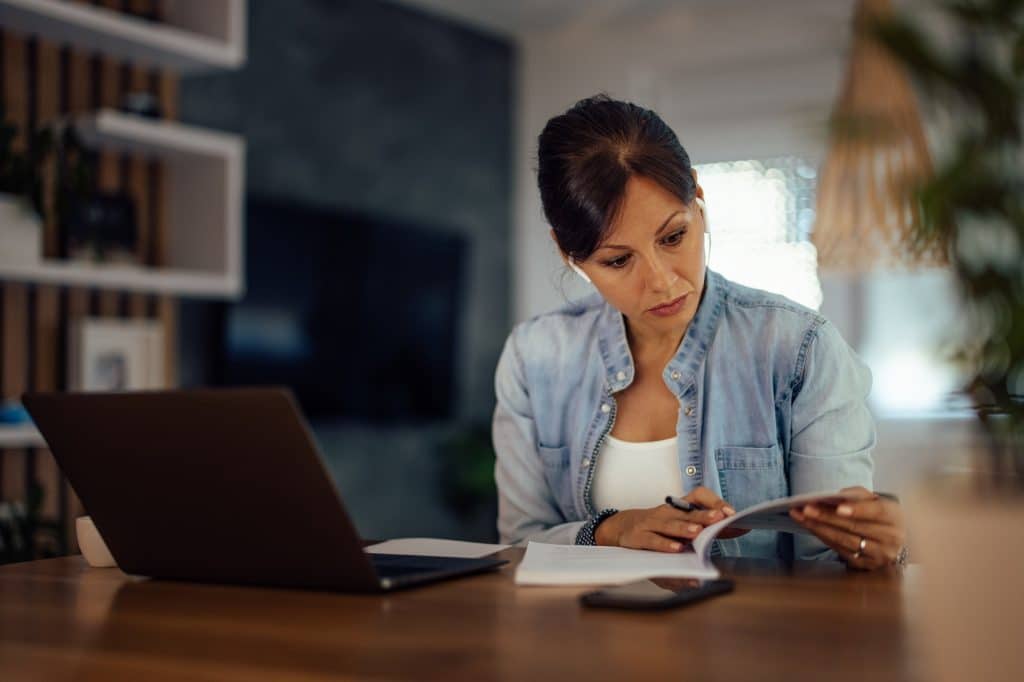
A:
x: 670, y: 308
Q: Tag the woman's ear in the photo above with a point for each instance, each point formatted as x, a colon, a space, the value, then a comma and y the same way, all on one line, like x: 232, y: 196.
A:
x: 701, y: 203
x: 569, y: 261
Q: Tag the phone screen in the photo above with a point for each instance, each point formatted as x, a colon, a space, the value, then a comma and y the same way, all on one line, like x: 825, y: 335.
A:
x: 654, y: 590
x: 656, y: 593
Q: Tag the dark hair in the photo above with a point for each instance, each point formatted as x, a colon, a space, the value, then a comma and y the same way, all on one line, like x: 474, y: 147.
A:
x: 585, y: 157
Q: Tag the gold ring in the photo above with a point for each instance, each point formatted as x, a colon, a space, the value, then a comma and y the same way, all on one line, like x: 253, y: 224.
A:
x: 860, y: 548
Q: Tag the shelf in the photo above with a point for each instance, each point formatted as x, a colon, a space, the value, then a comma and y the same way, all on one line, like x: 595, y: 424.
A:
x: 197, y: 36
x: 159, y: 137
x: 20, y: 436
x: 123, y: 278
x: 204, y: 179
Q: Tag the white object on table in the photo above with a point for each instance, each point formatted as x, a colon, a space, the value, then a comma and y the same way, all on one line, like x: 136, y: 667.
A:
x: 589, y: 565
x: 94, y: 549
x: 546, y: 564
x: 435, y: 547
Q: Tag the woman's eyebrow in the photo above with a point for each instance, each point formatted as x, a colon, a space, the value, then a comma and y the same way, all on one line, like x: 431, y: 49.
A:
x: 656, y: 234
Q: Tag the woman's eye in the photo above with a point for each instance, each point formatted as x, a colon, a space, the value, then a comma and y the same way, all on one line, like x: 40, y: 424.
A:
x: 619, y: 262
x: 674, y: 238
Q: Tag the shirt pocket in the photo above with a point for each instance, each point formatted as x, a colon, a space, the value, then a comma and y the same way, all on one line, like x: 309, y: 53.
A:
x: 556, y: 474
x: 750, y: 475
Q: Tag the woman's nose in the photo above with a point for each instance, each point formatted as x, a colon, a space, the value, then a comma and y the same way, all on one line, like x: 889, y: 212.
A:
x: 661, y: 277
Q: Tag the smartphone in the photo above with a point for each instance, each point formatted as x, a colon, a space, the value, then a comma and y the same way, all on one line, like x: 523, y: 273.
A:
x: 656, y: 593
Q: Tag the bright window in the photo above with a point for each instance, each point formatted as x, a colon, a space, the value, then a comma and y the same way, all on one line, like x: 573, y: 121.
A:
x: 761, y: 214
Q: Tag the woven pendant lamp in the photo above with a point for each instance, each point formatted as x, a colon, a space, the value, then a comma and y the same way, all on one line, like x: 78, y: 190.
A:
x: 866, y: 212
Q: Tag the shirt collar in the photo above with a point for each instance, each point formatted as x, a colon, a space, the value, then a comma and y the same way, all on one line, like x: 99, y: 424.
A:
x: 682, y: 368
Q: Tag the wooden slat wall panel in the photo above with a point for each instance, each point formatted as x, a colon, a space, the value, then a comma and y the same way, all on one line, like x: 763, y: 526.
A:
x: 14, y: 327
x: 47, y: 300
x: 167, y: 306
x: 139, y: 186
x: 109, y: 171
x: 79, y: 100
x: 35, y: 321
x: 14, y: 467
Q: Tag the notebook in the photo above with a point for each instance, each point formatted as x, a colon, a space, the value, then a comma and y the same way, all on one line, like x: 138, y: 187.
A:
x: 546, y: 564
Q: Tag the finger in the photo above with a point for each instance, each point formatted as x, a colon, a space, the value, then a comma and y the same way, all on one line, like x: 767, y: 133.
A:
x: 876, y: 552
x: 865, y: 562
x: 709, y: 517
x: 657, y: 542
x: 706, y: 498
x: 810, y: 524
x: 874, y: 555
x: 870, y: 510
x: 704, y: 518
x: 861, y: 563
x: 835, y: 538
x: 839, y: 549
x: 676, y: 528
x: 885, y: 533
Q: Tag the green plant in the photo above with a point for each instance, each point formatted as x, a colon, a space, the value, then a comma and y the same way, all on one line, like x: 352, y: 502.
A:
x: 24, y: 535
x: 23, y: 172
x: 468, y: 471
x: 973, y: 205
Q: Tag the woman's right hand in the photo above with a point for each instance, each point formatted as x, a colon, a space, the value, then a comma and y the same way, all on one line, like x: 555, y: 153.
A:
x: 664, y: 528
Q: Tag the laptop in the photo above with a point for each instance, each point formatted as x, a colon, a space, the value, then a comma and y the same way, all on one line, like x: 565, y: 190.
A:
x: 218, y: 486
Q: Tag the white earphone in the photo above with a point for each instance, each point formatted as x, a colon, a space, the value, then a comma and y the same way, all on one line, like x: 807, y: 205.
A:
x: 578, y: 270
x: 707, y: 230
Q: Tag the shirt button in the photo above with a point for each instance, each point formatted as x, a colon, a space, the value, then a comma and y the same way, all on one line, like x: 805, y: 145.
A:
x: 586, y: 462
x: 620, y: 376
x: 691, y: 470
x: 675, y: 375
x: 688, y: 411
x: 605, y: 407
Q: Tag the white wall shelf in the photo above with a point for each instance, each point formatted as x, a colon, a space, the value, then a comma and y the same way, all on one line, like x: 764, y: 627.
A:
x: 20, y: 436
x: 122, y: 278
x: 204, y: 171
x: 198, y: 36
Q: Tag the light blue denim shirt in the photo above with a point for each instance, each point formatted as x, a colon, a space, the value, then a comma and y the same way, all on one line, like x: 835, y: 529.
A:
x: 771, y: 403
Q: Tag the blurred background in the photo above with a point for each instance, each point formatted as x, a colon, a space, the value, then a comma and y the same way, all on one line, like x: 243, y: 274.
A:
x: 355, y: 183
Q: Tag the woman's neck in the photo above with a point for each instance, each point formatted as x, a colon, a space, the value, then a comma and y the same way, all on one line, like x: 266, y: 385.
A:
x: 653, y: 350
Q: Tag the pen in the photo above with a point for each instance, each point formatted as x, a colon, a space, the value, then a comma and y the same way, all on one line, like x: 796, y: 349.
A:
x: 683, y: 505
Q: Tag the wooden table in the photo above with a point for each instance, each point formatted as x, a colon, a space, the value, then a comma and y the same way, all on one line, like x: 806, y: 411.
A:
x: 60, y: 619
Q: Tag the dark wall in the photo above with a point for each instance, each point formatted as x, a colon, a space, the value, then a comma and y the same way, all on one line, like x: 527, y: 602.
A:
x: 377, y: 108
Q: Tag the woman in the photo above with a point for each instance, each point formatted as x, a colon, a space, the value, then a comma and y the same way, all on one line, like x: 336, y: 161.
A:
x: 672, y: 379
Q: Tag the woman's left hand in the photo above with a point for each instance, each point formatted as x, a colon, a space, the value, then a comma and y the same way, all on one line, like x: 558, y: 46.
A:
x: 867, y: 532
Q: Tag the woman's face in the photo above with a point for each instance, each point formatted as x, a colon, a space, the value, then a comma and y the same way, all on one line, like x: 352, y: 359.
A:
x: 651, y: 265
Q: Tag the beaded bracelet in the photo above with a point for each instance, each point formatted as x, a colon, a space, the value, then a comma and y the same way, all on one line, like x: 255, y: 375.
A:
x: 588, y: 533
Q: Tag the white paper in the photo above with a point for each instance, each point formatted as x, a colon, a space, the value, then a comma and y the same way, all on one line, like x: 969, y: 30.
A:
x: 771, y: 515
x: 546, y: 564
x: 435, y: 547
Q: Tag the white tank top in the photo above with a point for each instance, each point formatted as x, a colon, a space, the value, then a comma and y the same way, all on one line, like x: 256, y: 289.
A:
x: 636, y: 475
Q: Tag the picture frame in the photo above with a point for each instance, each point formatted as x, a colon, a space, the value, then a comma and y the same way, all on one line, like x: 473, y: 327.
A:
x: 116, y: 355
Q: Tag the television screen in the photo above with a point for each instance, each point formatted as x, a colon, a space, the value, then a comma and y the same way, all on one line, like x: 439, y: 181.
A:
x: 358, y: 315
